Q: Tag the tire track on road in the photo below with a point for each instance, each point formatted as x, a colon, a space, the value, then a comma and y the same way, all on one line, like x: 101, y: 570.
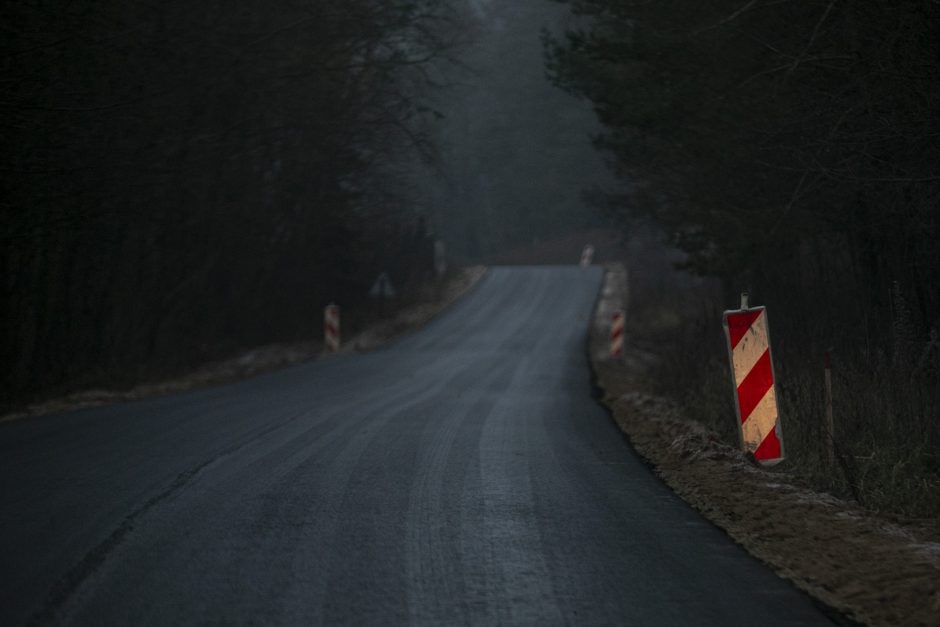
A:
x: 431, y: 559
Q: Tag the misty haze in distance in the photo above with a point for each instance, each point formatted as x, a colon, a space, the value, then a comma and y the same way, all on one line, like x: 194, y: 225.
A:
x: 244, y: 382
x: 515, y: 152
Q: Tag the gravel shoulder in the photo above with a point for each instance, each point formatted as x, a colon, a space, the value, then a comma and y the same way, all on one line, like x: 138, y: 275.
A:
x: 270, y: 357
x: 871, y: 568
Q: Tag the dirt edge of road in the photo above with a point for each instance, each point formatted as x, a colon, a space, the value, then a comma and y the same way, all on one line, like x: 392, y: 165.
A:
x: 871, y: 569
x: 269, y: 357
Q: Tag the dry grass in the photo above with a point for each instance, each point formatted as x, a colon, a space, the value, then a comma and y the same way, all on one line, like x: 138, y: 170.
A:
x: 886, y: 401
x: 874, y: 568
x: 419, y: 310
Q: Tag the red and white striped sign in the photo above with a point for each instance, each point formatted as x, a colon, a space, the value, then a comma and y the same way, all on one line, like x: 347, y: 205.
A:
x: 587, y: 256
x: 331, y: 327
x: 616, y: 334
x: 749, y: 347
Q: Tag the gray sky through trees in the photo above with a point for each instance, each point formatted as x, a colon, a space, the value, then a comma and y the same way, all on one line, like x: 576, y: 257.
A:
x: 515, y: 151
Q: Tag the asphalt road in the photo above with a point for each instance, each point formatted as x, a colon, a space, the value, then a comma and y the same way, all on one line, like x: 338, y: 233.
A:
x: 463, y: 474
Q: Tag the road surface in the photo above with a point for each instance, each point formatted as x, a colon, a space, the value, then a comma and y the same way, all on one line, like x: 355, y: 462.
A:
x: 461, y: 475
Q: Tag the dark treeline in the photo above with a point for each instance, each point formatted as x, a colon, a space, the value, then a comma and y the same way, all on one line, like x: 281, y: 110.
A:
x: 792, y: 148
x: 182, y: 179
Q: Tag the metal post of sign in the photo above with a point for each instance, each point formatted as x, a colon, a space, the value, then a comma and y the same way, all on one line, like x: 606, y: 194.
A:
x: 830, y: 423
x: 440, y: 259
x: 383, y: 290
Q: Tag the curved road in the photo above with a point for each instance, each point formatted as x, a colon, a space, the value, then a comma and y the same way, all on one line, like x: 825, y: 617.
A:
x: 463, y: 474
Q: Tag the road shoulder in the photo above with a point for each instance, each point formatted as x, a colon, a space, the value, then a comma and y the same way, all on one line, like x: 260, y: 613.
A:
x: 873, y: 569
x: 271, y: 357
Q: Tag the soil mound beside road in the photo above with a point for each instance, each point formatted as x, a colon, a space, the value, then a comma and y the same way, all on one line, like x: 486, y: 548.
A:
x: 873, y: 569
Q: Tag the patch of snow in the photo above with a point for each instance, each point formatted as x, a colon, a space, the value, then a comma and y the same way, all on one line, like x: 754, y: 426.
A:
x: 818, y: 498
x: 928, y: 551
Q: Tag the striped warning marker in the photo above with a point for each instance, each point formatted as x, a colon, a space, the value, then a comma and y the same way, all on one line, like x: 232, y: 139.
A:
x: 616, y: 334
x: 749, y: 348
x: 331, y: 327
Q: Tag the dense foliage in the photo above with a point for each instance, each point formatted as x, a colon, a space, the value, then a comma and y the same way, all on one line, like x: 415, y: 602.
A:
x: 793, y: 148
x: 182, y: 178
x: 758, y: 129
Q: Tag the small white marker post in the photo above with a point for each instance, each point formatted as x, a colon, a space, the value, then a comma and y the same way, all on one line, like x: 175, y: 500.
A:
x: 587, y: 256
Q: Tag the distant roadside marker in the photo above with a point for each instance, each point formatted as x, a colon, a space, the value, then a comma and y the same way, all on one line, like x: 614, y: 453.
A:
x: 616, y: 334
x: 331, y: 336
x: 748, y: 335
x: 587, y: 256
x: 382, y: 288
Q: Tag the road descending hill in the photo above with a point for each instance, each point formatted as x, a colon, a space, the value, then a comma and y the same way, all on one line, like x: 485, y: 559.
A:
x: 462, y: 474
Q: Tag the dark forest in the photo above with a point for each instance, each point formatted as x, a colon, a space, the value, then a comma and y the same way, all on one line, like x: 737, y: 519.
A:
x: 182, y: 181
x: 790, y: 149
x: 477, y: 312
